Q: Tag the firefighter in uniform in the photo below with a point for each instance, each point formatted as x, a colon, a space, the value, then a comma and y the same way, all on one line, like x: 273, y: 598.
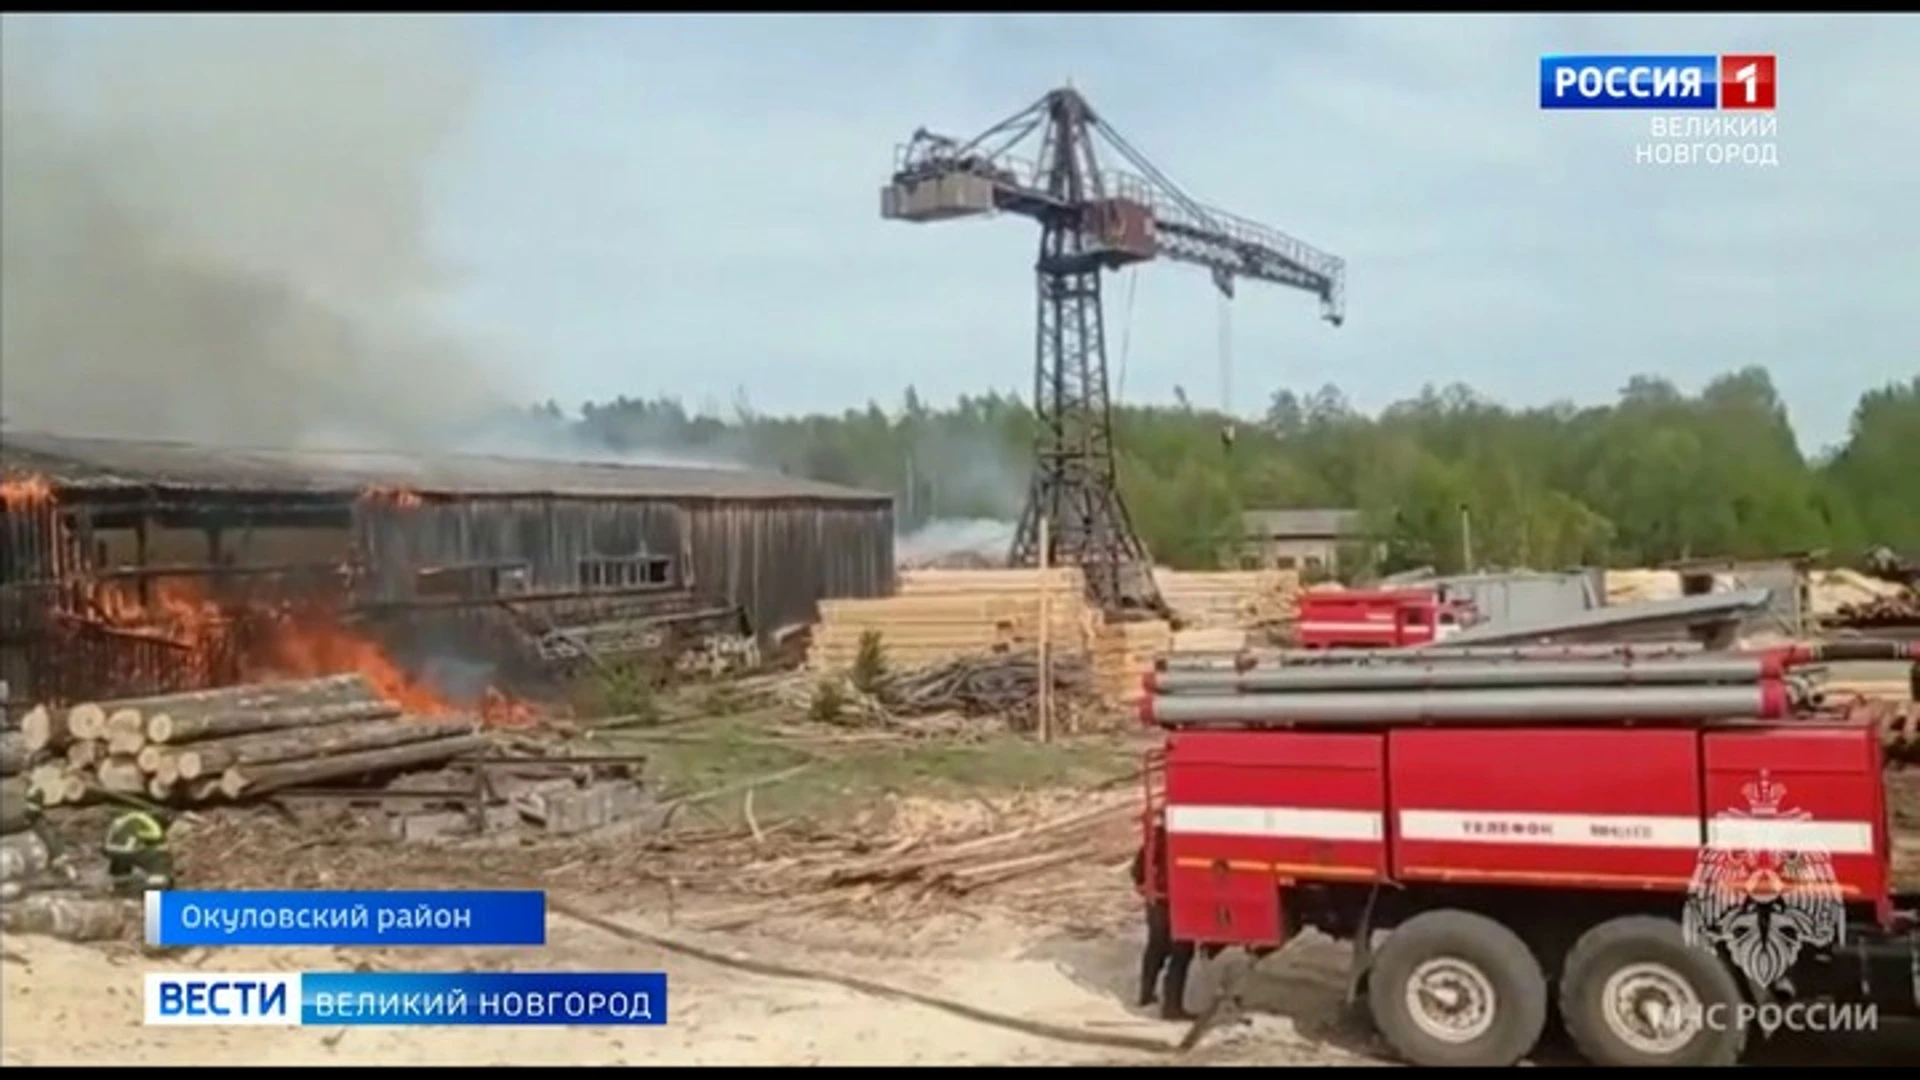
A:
x: 1162, y: 952
x: 136, y: 850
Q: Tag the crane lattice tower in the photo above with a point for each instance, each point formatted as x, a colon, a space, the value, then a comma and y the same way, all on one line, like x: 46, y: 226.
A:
x: 1091, y: 219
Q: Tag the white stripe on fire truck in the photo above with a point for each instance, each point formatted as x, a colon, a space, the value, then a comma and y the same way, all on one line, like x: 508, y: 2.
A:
x: 1636, y: 831
x: 1289, y: 822
x: 1551, y: 830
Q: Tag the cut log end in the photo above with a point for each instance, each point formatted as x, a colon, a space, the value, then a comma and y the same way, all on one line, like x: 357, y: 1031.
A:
x: 122, y: 775
x: 14, y: 755
x: 49, y: 782
x: 84, y: 754
x: 41, y: 730
x: 126, y: 743
x: 160, y: 728
x: 124, y: 722
x: 23, y: 856
x: 86, y: 721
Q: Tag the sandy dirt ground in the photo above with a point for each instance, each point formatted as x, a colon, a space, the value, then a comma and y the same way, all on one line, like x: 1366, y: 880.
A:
x: 72, y: 1005
x: 68, y: 1004
x: 1059, y: 948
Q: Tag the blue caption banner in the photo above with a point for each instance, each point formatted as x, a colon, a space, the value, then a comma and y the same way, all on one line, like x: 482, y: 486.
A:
x: 346, y: 918
x: 491, y: 998
x: 1630, y: 82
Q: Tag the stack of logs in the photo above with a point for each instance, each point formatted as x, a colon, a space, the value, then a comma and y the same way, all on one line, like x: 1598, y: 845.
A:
x: 1882, y: 612
x: 230, y: 743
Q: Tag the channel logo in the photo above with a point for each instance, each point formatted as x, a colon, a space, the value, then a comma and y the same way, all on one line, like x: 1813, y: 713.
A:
x: 1732, y: 81
x: 207, y: 1000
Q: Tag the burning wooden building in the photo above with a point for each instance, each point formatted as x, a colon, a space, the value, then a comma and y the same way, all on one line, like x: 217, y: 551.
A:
x: 138, y: 567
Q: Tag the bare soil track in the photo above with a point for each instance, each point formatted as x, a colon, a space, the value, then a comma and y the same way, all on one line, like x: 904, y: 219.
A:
x: 1013, y: 939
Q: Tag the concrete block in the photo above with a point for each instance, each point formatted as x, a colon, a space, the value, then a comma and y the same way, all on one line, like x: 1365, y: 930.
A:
x: 503, y: 818
x: 434, y: 826
x: 575, y: 812
x: 625, y: 799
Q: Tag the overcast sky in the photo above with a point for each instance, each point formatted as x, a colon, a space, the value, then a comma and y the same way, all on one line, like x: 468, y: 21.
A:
x: 690, y: 206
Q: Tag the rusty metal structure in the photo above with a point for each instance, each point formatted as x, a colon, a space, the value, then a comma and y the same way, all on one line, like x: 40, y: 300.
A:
x: 1092, y: 218
x: 544, y: 561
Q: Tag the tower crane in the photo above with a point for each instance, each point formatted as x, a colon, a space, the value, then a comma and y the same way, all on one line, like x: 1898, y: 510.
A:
x: 1092, y: 218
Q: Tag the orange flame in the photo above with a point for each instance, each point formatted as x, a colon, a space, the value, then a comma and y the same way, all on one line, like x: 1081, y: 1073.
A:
x: 21, y: 490
x: 284, y: 642
x: 400, y: 497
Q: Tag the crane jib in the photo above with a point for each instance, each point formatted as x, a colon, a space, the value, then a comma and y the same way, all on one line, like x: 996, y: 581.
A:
x: 1093, y: 218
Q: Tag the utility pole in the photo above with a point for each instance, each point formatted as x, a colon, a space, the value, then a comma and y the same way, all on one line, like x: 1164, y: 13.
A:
x: 1466, y: 539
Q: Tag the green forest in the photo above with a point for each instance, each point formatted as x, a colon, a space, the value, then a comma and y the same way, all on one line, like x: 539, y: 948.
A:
x: 1656, y: 475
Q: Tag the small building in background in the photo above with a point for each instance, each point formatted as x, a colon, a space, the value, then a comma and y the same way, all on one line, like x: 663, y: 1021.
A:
x: 1788, y: 577
x: 1525, y: 596
x: 1304, y: 540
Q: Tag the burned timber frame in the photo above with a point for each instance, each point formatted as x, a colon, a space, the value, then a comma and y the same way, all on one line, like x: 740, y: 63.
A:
x: 543, y: 552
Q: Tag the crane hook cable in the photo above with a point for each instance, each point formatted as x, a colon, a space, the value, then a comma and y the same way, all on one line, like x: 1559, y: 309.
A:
x: 1126, y: 337
x: 771, y: 970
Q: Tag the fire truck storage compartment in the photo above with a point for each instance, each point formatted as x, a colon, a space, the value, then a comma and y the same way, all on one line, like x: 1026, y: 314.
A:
x: 1810, y: 788
x: 1556, y: 807
x: 1249, y: 812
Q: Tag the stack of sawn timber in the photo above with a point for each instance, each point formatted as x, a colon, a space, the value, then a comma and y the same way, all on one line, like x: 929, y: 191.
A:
x: 1229, y: 599
x: 940, y: 615
x: 231, y: 743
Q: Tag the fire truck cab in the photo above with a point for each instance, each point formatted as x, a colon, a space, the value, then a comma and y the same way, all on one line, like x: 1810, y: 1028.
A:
x: 1659, y: 883
x: 1379, y: 618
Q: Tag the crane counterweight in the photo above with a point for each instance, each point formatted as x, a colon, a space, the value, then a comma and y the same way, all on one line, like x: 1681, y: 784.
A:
x: 1092, y: 218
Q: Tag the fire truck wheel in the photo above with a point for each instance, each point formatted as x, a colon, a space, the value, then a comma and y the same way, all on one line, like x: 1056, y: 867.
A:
x: 1451, y: 988
x: 1635, y: 992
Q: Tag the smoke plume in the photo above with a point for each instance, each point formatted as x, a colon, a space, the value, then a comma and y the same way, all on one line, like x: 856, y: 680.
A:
x: 969, y: 542
x: 216, y: 229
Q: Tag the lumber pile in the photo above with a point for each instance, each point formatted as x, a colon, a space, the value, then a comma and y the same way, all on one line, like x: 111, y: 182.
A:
x: 1881, y: 613
x: 953, y: 616
x: 1215, y: 639
x: 939, y: 615
x: 1852, y: 599
x: 1123, y: 652
x: 1229, y: 599
x: 1641, y: 586
x: 224, y: 744
x: 1831, y: 592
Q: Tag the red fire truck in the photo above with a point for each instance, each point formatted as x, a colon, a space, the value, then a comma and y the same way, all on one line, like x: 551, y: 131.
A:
x: 1658, y: 847
x: 1378, y: 618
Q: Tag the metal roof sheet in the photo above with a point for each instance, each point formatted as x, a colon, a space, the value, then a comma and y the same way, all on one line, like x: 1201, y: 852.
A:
x: 89, y: 462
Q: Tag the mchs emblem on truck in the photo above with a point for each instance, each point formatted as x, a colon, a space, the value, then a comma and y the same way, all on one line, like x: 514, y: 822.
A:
x: 1764, y: 889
